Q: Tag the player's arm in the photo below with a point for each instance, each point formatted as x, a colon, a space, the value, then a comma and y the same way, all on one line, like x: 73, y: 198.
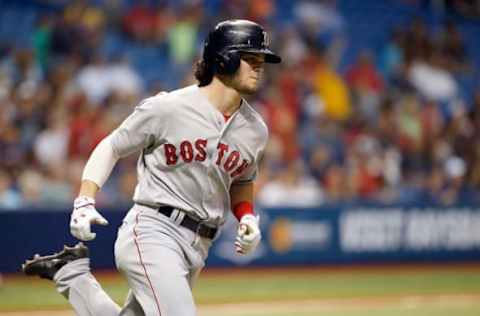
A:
x: 98, y: 168
x: 138, y: 131
x: 241, y: 193
x: 248, y: 234
x: 95, y: 174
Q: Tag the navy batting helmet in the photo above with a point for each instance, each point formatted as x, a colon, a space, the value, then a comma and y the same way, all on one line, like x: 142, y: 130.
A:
x: 229, y: 38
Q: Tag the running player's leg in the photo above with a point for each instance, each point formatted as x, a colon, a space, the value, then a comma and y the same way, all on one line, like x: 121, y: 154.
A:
x: 82, y: 290
x: 132, y: 307
x: 155, y: 266
x: 70, y: 270
x: 159, y: 287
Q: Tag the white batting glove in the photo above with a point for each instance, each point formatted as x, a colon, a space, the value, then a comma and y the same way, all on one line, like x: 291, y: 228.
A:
x: 84, y: 214
x: 248, y: 234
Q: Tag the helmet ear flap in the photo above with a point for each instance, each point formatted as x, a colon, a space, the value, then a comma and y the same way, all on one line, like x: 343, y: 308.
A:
x: 227, y: 63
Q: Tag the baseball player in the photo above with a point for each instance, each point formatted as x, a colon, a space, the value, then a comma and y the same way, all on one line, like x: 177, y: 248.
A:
x: 200, y: 147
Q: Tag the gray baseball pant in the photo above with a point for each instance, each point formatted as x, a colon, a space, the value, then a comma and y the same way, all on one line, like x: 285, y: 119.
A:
x: 160, y: 260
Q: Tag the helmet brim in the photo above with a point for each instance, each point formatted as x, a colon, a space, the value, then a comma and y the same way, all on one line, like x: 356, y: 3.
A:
x: 270, y: 57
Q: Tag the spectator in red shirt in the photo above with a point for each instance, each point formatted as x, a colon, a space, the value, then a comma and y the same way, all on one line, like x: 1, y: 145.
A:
x: 363, y: 75
x: 366, y: 85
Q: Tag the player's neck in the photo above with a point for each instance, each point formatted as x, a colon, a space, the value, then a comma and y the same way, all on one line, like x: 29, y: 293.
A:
x: 225, y: 99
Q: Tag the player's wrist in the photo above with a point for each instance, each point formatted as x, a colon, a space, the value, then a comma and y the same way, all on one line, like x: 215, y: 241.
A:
x: 82, y: 201
x: 242, y: 209
x: 249, y: 218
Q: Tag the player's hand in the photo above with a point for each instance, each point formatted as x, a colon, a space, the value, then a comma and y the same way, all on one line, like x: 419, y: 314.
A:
x: 84, y: 214
x: 248, y: 235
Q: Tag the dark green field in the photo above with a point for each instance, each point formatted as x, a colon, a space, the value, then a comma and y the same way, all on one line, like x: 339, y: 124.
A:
x: 386, y: 291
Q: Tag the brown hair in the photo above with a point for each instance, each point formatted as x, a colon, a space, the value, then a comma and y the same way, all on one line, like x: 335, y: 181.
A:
x: 203, y: 73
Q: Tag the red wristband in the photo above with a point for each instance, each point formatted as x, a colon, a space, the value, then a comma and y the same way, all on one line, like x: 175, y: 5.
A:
x: 242, y: 208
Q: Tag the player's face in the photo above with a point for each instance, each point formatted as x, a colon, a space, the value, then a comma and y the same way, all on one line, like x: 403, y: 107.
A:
x: 248, y: 78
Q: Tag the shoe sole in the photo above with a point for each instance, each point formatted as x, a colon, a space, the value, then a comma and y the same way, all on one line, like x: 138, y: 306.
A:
x: 80, y: 248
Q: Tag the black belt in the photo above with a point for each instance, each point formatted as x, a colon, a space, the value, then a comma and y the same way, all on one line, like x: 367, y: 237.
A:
x: 190, y: 223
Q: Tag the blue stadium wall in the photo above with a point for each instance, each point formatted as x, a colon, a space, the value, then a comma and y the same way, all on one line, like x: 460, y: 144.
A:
x: 328, y: 235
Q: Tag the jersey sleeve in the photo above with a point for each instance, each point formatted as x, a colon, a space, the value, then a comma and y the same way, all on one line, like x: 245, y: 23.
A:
x: 249, y: 175
x: 141, y: 129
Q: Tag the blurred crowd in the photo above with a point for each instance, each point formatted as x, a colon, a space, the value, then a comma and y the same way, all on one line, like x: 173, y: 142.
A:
x: 393, y: 127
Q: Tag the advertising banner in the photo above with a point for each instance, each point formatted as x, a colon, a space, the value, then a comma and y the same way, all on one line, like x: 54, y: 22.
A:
x: 327, y: 235
x: 359, y: 234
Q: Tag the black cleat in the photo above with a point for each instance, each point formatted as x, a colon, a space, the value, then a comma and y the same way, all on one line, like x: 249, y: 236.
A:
x: 46, y: 267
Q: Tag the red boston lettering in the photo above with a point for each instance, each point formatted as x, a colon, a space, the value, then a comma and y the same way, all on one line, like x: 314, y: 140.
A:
x: 222, y: 149
x: 232, y: 161
x: 189, y: 151
x: 186, y: 151
x: 170, y: 154
x: 200, y: 146
x: 240, y: 169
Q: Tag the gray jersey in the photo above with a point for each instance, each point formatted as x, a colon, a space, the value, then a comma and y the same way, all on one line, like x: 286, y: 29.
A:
x: 190, y: 155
